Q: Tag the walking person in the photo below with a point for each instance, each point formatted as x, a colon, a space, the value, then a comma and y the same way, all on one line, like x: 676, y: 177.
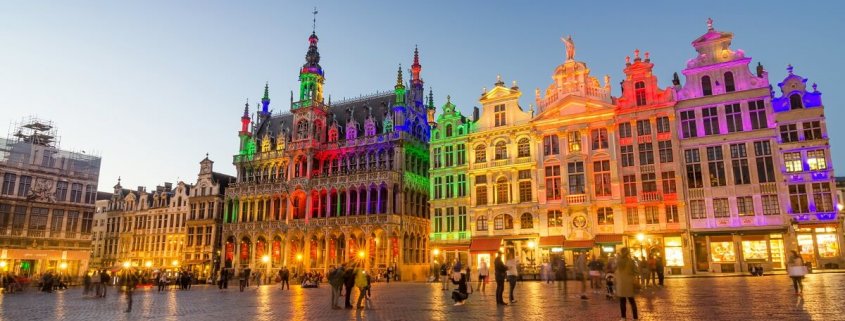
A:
x: 242, y: 278
x: 500, y: 270
x: 349, y: 283
x: 797, y: 270
x: 131, y: 281
x: 162, y: 282
x: 444, y: 275
x: 626, y: 273
x: 595, y: 266
x: 660, y: 266
x: 105, y: 279
x: 223, y: 280
x: 336, y: 281
x: 652, y: 269
x: 581, y: 272
x: 483, y: 274
x: 642, y: 264
x: 512, y: 275
x: 361, y: 284
x: 86, y: 281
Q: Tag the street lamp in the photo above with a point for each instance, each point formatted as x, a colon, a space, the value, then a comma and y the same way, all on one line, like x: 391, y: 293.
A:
x: 640, y: 238
x: 266, y: 260
x: 3, y: 265
x: 361, y: 254
x: 531, y: 246
x: 175, y: 263
x: 148, y: 264
x: 126, y: 264
x: 63, y: 265
x: 299, y: 261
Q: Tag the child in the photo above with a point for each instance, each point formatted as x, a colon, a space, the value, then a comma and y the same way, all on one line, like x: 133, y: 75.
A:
x: 460, y: 294
x: 609, y: 279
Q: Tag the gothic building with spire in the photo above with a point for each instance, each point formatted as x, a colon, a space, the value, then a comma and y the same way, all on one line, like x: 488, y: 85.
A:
x: 330, y: 183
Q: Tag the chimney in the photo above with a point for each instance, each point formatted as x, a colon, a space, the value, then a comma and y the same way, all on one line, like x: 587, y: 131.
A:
x: 475, y: 113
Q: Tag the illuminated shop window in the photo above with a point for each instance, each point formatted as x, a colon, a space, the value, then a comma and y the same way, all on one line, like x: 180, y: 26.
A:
x: 755, y: 250
x: 816, y: 160
x: 722, y: 252
x: 674, y: 251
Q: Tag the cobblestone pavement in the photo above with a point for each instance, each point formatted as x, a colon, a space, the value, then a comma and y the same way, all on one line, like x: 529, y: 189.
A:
x: 728, y: 298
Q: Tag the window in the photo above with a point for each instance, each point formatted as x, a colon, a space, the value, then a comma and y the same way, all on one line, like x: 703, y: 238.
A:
x: 438, y: 220
x: 523, y: 148
x: 450, y: 154
x: 795, y: 102
x: 765, y: 166
x: 525, y: 185
x: 500, y: 115
x: 798, y: 199
x: 599, y: 138
x: 706, y: 86
x: 9, y: 183
x: 733, y: 115
x: 574, y: 140
x: 462, y: 185
x: 480, y: 193
x: 652, y: 215
x: 744, y: 206
x: 720, y: 207
x: 526, y: 221
x: 87, y: 221
x: 450, y: 186
x: 90, y: 194
x: 437, y: 157
x: 627, y: 155
x: 20, y: 217
x: 450, y: 219
x: 480, y: 154
x: 663, y: 125
x: 668, y: 180
x: 715, y: 166
x: 629, y: 183
x: 550, y: 145
x: 649, y: 181
x: 462, y: 154
x: 729, y: 82
x: 757, y: 111
x: 822, y: 197
x: 710, y: 118
x: 38, y: 219
x: 76, y: 192
x: 501, y: 150
x: 57, y: 220
x: 789, y: 133
x: 643, y: 127
x: 601, y: 175
x: 575, y: 170
x: 632, y: 216
x: 646, y: 153
x: 555, y: 218
x: 462, y: 218
x: 793, y: 162
x: 812, y: 130
x: 694, y: 177
x: 624, y: 130
x: 816, y: 160
x: 770, y: 205
x: 664, y: 150
x: 481, y: 223
x: 604, y: 216
x: 502, y: 191
x: 503, y: 222
x: 553, y: 182
x: 639, y: 91
x: 72, y: 221
x: 739, y: 164
x: 688, y: 126
x: 302, y: 130
x: 449, y: 130
x: 26, y: 183
x: 697, y: 209
x: 438, y: 187
x: 672, y: 214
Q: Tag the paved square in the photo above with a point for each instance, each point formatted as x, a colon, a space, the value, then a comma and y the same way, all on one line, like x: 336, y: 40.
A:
x: 722, y: 298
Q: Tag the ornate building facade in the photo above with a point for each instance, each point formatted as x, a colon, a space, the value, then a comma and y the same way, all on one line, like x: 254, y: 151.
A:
x: 330, y: 183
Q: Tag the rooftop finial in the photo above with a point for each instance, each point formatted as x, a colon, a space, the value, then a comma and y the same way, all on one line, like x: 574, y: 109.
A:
x: 246, y: 108
x: 314, y: 22
x: 267, y: 90
x: 709, y: 24
x: 814, y: 87
x: 206, y: 155
x: 399, y: 76
x: 789, y: 68
x: 430, y: 97
x: 570, y: 47
x: 646, y: 57
x: 636, y: 55
x: 499, y: 81
x: 627, y: 60
x: 448, y: 99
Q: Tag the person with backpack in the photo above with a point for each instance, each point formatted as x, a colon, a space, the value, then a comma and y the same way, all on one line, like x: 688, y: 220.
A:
x: 336, y: 281
x: 361, y: 283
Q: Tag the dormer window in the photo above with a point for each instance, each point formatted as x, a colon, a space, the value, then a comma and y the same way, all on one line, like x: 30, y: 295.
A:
x: 370, y: 128
x: 729, y: 82
x: 449, y: 130
x: 795, y: 102
x: 351, y: 132
x: 639, y: 91
x: 500, y: 115
x: 333, y: 135
x: 706, y: 87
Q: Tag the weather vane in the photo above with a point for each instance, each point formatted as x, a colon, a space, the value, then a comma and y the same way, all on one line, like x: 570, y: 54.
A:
x: 314, y: 22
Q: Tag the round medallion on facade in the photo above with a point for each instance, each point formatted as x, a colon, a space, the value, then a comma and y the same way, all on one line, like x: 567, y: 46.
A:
x: 579, y: 221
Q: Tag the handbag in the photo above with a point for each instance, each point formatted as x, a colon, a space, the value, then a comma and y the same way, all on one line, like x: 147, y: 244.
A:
x: 797, y: 270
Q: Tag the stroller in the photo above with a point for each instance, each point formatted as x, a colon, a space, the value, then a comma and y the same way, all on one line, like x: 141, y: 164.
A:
x: 610, y: 280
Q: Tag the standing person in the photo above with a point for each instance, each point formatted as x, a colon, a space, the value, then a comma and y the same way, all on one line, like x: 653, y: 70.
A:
x: 242, y: 278
x: 512, y: 275
x: 162, y: 282
x: 105, y: 279
x: 86, y: 281
x: 285, y: 278
x: 388, y: 274
x: 248, y: 273
x: 500, y: 270
x: 581, y: 272
x: 625, y: 277
x: 642, y: 264
x: 131, y: 282
x: 660, y: 266
x: 595, y: 267
x: 361, y: 284
x: 483, y: 274
x: 444, y: 274
x: 652, y: 268
x: 223, y: 280
x: 349, y: 283
x: 461, y: 294
x: 797, y: 270
x: 336, y: 281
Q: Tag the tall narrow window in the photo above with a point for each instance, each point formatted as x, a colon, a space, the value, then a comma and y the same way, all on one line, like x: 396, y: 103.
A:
x: 450, y: 155
x: 526, y: 221
x: 601, y: 178
x: 575, y: 170
x: 649, y: 181
x: 798, y: 199
x: 795, y: 102
x: 574, y: 140
x: 710, y: 118
x: 450, y: 186
x: 481, y: 154
x: 438, y: 220
x: 697, y: 209
x: 26, y: 183
x: 716, y: 166
x: 733, y: 115
x: 729, y: 82
x: 599, y: 138
x: 627, y: 155
x: 553, y: 191
x: 555, y: 218
x: 739, y: 164
x: 500, y: 115
x: 757, y: 111
x: 481, y: 223
x: 822, y: 197
x: 450, y: 219
x: 812, y: 130
x: 816, y: 160
x: 525, y: 193
x: 663, y: 125
x: 501, y: 150
x: 632, y: 216
x: 744, y: 206
x: 462, y: 154
x: 551, y: 145
x: 449, y: 130
x: 765, y: 165
x: 438, y: 187
x: 643, y: 127
x: 502, y: 191
x: 438, y: 157
x: 771, y: 205
x: 688, y: 126
x: 668, y: 180
x: 624, y: 130
x: 721, y: 208
x: 672, y: 214
x: 652, y: 215
x: 462, y: 185
x: 481, y: 190
x: 639, y: 90
x: 629, y: 184
x: 706, y: 86
x: 523, y: 148
x: 646, y: 153
x: 666, y: 152
x: 693, y: 161
x: 9, y: 185
x: 462, y: 218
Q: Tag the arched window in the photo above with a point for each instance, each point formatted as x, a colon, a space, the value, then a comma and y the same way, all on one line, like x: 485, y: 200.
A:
x: 706, y: 87
x: 795, y: 102
x: 351, y: 131
x: 639, y: 90
x: 481, y: 223
x: 523, y: 148
x: 302, y: 129
x: 370, y: 128
x: 729, y: 82
x: 480, y: 154
x: 333, y: 135
x: 526, y: 220
x: 604, y: 216
x: 501, y: 150
x: 319, y: 132
x: 502, y: 191
x: 449, y: 130
x: 503, y: 222
x: 436, y: 134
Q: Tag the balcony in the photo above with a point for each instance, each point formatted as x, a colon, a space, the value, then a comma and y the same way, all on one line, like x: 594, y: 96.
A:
x: 650, y: 197
x: 576, y: 199
x: 501, y: 162
x: 523, y: 160
x: 479, y: 165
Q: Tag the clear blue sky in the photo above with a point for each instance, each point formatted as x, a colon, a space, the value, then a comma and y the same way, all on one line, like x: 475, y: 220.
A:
x: 154, y: 85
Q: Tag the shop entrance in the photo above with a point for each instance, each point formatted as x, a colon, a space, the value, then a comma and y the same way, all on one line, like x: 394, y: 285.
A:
x: 702, y: 264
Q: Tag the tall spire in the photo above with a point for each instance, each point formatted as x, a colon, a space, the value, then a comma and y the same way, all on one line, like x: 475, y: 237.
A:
x: 245, y: 120
x: 265, y: 101
x: 399, y: 89
x: 430, y: 98
x: 416, y: 67
x: 314, y: 22
x: 399, y: 78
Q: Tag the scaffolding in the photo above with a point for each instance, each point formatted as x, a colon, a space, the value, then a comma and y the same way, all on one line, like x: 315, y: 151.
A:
x: 35, y: 142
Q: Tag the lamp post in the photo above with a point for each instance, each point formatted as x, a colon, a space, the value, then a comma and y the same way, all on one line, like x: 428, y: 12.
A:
x: 266, y: 260
x: 299, y: 262
x: 435, y: 253
x: 640, y: 238
x: 531, y: 246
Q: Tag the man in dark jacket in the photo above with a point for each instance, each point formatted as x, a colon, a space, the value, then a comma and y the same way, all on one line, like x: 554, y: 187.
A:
x: 336, y: 280
x: 349, y: 282
x: 501, y: 272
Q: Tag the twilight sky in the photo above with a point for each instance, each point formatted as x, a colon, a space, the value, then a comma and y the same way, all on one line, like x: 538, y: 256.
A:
x: 154, y: 85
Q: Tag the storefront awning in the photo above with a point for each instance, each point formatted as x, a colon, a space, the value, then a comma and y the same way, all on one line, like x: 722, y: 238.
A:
x: 578, y: 244
x: 486, y: 244
x: 609, y: 238
x: 552, y: 241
